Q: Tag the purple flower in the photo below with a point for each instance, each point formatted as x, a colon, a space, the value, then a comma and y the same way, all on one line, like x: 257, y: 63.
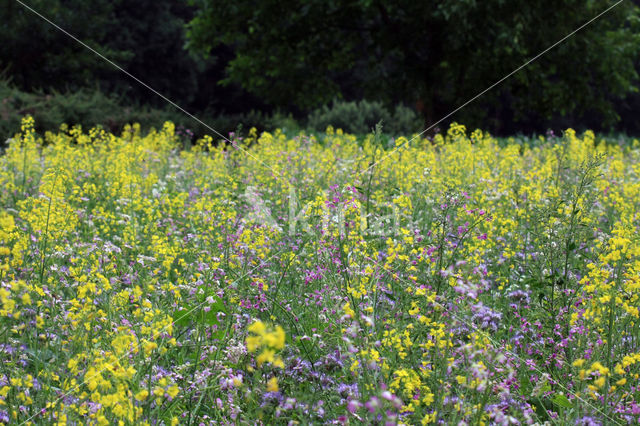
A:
x: 485, y: 317
x: 271, y: 398
x: 373, y: 404
x: 587, y: 421
x: 519, y: 296
x: 353, y: 406
x: 289, y: 404
x: 348, y: 390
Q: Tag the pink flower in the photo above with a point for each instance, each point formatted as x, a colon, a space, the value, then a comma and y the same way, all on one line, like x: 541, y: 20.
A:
x: 373, y: 404
x: 353, y: 406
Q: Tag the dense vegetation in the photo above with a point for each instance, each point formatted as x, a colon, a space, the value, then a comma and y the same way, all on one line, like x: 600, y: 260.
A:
x: 318, y: 278
x: 89, y: 108
x: 413, y: 55
x: 434, y: 55
x: 316, y: 267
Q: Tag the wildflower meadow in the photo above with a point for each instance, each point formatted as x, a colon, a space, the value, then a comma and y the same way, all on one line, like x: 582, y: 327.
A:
x: 318, y: 278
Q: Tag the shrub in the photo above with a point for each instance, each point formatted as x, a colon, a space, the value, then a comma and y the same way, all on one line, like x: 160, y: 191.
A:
x: 92, y: 107
x: 85, y: 107
x: 361, y: 117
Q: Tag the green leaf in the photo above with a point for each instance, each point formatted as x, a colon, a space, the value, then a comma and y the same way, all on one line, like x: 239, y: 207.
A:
x: 536, y: 284
x: 208, y: 318
x: 525, y: 384
x: 186, y: 315
x: 182, y: 317
x: 545, y: 387
x: 220, y: 334
x: 561, y: 401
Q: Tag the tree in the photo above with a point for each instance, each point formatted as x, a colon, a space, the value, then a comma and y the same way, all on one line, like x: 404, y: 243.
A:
x: 434, y: 54
x: 145, y: 37
x: 37, y: 55
x: 152, y: 32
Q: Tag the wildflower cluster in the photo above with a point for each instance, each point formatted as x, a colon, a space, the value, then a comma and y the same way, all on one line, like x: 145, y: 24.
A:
x: 267, y: 342
x: 458, y: 279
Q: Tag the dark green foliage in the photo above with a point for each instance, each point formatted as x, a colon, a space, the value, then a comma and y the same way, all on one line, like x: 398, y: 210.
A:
x: 90, y: 108
x: 50, y: 110
x: 437, y: 55
x: 144, y: 37
x: 296, y: 56
x: 37, y: 55
x: 361, y: 117
x: 152, y: 32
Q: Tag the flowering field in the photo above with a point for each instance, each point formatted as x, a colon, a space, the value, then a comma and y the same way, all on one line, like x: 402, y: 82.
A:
x: 318, y: 279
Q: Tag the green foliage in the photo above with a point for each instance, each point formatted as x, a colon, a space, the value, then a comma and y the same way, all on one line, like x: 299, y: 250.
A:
x: 256, y: 57
x: 152, y: 32
x: 93, y: 107
x: 405, y: 121
x: 37, y: 55
x: 361, y: 117
x: 84, y: 107
x: 145, y: 37
x: 439, y: 56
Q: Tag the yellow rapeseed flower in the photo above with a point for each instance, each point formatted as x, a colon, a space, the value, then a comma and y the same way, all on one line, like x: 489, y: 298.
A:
x: 272, y: 385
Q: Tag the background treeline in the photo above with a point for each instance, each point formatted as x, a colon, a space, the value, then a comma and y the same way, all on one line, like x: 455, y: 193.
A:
x: 315, y: 62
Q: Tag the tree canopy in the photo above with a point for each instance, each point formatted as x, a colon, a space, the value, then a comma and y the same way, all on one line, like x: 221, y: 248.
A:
x: 294, y: 56
x: 145, y: 37
x: 434, y: 55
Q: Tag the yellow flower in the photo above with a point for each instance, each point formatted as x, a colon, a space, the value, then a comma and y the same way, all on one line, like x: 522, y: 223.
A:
x: 267, y: 355
x: 278, y: 338
x: 149, y: 347
x: 269, y: 340
x: 348, y: 311
x: 578, y: 362
x: 26, y: 299
x: 253, y: 343
x: 173, y: 391
x: 272, y: 385
x: 257, y: 327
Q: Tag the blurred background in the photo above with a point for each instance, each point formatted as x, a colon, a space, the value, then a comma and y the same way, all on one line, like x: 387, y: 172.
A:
x: 310, y: 63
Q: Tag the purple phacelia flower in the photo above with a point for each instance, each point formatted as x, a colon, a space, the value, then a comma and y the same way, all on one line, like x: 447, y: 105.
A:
x: 485, y: 317
x: 587, y: 421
